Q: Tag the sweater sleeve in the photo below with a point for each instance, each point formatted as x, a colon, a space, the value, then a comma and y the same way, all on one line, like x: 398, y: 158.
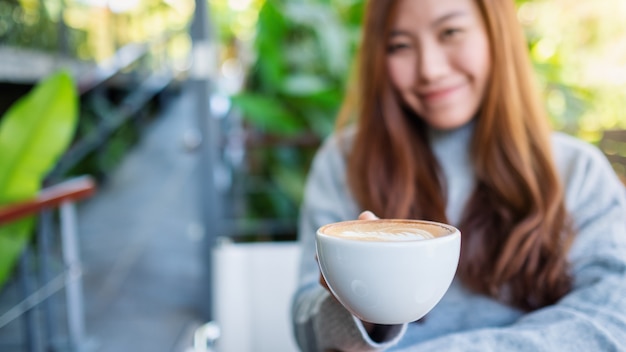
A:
x: 320, y: 323
x: 592, y: 317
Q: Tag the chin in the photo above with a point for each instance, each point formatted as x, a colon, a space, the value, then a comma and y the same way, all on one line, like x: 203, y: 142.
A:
x: 447, y: 124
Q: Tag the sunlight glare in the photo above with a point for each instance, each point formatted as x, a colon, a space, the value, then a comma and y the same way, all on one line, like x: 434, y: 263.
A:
x: 239, y: 5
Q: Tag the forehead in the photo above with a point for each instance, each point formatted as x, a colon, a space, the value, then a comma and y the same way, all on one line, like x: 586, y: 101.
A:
x: 430, y: 12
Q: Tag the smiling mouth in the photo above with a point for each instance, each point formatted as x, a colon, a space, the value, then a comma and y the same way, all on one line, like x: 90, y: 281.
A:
x: 439, y: 94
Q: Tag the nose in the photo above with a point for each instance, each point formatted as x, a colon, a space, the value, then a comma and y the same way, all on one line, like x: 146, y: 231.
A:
x: 433, y: 63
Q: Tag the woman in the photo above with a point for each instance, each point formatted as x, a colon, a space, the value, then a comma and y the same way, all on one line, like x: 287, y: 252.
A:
x: 447, y: 125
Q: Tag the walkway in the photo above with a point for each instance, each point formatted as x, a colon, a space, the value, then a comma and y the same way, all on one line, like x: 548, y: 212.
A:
x: 141, y: 244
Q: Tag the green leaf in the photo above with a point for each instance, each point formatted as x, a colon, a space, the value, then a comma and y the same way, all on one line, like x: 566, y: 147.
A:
x: 271, y: 22
x: 13, y: 238
x: 302, y: 84
x: 327, y: 99
x: 271, y: 27
x: 290, y: 181
x: 267, y: 114
x: 34, y: 133
x: 332, y: 36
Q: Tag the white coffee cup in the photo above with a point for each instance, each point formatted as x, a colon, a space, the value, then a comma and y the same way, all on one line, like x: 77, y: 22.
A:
x: 388, y: 271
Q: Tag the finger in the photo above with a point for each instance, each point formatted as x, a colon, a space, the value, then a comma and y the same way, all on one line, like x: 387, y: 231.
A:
x: 322, y: 280
x: 368, y: 215
x: 324, y: 283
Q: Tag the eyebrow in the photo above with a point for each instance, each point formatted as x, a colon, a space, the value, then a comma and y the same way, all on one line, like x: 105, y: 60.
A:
x: 436, y: 23
x: 449, y: 16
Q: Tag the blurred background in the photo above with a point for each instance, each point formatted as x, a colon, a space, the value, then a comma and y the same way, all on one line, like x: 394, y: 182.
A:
x: 165, y: 219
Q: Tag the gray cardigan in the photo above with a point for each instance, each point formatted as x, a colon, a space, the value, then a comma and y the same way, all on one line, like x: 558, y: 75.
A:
x: 590, y: 318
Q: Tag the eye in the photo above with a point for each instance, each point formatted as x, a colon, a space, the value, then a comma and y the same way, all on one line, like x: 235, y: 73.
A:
x: 396, y: 47
x: 450, y: 33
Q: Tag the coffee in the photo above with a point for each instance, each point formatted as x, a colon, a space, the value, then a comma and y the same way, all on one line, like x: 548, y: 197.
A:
x: 387, y: 231
x: 388, y: 271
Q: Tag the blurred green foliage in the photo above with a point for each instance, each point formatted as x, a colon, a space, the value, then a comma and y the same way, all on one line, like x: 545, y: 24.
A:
x: 304, y: 53
x: 579, y: 52
x: 92, y: 30
x: 293, y: 90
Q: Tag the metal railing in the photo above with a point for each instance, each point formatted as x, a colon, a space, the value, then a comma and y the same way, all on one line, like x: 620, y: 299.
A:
x: 59, y: 198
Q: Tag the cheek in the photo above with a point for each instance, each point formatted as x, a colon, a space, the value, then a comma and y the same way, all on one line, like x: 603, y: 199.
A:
x: 401, y: 72
x: 477, y: 61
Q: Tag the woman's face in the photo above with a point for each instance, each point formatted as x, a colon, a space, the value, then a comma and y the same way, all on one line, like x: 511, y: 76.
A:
x: 438, y: 59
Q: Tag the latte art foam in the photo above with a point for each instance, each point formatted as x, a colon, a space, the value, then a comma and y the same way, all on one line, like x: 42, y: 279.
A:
x: 391, y: 234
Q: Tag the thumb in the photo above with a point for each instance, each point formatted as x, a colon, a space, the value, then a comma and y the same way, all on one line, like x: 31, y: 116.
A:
x: 367, y: 215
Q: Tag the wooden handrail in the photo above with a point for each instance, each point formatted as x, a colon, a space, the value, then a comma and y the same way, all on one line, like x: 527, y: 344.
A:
x: 71, y: 190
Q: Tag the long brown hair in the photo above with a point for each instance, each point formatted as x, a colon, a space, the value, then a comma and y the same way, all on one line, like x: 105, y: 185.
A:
x: 516, y: 231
